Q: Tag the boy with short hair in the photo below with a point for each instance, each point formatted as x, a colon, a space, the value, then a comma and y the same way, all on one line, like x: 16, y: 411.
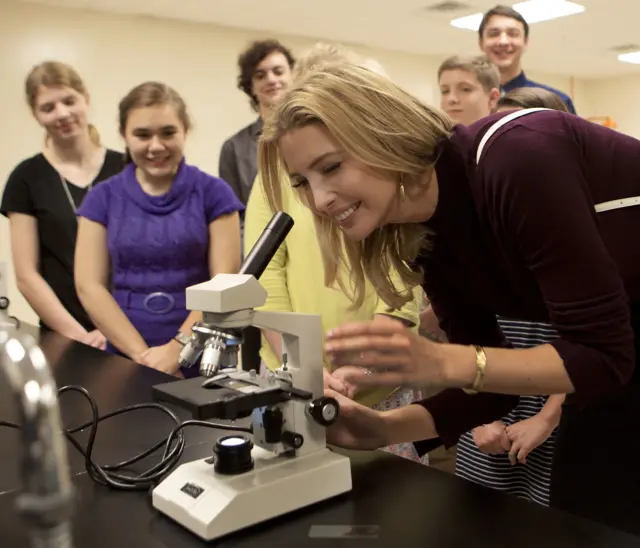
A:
x: 469, y: 87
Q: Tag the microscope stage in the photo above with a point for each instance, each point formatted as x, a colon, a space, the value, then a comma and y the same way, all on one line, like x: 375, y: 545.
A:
x: 212, y: 505
x: 234, y: 396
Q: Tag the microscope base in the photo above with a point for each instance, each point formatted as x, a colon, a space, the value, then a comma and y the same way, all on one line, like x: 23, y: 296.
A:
x: 212, y: 505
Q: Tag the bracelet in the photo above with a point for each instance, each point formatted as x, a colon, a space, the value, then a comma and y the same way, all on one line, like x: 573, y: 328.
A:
x: 481, y: 364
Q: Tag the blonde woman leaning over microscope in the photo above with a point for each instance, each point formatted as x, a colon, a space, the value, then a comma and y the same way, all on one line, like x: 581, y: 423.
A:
x: 535, y: 232
x: 294, y: 280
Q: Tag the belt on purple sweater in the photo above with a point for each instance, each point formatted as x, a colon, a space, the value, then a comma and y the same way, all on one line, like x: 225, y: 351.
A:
x: 157, y: 302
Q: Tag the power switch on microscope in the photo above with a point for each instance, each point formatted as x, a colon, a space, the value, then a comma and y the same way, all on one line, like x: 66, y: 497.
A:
x: 324, y: 410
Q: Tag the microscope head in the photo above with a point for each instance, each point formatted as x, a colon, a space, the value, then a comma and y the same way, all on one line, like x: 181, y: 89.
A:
x: 227, y: 302
x: 226, y: 294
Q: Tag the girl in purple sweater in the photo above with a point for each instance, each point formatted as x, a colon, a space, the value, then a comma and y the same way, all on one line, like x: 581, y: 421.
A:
x: 150, y: 232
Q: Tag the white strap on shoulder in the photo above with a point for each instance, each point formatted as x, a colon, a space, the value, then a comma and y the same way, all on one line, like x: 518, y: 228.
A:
x: 617, y: 204
x: 604, y: 206
x: 503, y: 121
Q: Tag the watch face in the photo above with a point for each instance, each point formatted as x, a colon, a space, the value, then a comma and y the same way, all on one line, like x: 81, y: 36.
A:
x: 182, y: 338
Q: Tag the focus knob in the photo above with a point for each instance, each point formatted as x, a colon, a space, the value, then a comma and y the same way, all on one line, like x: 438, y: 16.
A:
x: 324, y: 410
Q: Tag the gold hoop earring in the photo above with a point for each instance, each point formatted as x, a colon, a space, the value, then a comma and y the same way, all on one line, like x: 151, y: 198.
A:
x: 402, y: 191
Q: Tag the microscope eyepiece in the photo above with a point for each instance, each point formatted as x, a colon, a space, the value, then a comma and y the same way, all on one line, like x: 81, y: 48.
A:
x: 268, y: 243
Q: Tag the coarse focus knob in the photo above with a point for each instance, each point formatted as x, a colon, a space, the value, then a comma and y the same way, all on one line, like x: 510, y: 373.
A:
x: 324, y: 410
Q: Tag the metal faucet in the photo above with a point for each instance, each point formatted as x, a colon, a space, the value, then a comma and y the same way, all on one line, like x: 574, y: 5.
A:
x: 46, y: 500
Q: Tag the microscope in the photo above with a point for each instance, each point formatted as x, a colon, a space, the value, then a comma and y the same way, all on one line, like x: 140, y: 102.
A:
x: 286, y: 465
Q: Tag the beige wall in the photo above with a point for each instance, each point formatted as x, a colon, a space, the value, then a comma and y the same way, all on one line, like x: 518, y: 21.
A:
x: 114, y: 53
x: 618, y: 98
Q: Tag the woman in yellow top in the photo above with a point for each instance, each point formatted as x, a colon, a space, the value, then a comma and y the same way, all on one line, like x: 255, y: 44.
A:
x: 294, y: 281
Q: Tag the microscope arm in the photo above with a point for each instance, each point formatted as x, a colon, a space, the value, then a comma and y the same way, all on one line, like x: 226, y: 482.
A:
x: 301, y: 344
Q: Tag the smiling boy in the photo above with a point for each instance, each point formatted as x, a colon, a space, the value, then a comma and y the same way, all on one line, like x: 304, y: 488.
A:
x: 503, y: 38
x: 469, y: 87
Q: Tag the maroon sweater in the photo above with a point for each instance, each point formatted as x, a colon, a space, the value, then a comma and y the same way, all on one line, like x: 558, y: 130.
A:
x: 518, y: 236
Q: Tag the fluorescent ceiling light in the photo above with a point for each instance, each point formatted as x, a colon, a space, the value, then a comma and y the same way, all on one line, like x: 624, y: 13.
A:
x: 470, y: 22
x: 631, y: 57
x: 533, y: 11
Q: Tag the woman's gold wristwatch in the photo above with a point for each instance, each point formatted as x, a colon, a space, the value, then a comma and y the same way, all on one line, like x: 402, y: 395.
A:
x: 481, y: 364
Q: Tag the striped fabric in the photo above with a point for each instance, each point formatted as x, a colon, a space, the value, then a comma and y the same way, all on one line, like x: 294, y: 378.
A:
x: 532, y: 480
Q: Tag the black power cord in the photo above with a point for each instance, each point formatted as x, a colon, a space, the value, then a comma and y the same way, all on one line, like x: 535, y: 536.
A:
x: 111, y: 475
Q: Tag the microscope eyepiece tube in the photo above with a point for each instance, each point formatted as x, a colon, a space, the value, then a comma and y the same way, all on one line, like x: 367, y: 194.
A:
x: 267, y: 245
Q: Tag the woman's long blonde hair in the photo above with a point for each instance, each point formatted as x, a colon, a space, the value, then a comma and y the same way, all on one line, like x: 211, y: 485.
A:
x: 389, y: 131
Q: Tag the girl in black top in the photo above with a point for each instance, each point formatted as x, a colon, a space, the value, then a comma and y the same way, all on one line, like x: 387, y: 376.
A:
x: 43, y: 192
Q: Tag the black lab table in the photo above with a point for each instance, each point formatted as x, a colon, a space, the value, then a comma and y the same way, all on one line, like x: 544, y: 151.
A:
x: 394, y: 502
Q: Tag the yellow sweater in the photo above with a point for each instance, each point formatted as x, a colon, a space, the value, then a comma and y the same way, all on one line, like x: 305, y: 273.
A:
x: 294, y: 279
